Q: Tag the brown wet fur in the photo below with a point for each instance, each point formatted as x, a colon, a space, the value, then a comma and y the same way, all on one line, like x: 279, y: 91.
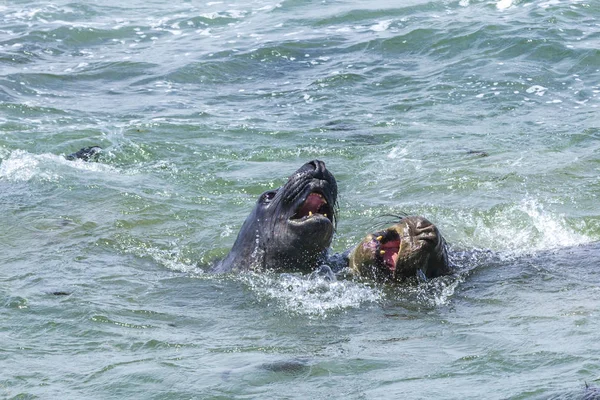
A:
x: 421, y: 247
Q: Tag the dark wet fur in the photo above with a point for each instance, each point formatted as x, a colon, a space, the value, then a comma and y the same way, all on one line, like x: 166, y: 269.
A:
x: 295, y: 366
x: 273, y: 238
x: 91, y: 153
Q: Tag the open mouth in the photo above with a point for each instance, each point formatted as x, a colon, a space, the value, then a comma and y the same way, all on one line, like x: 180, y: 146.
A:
x: 389, y: 253
x: 389, y: 247
x: 315, y: 206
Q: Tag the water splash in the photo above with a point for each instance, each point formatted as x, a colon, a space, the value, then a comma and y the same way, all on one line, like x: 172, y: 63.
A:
x: 309, y: 295
x: 171, y: 258
x: 21, y: 166
x: 504, y: 4
x: 434, y: 293
x: 438, y: 292
x: 518, y: 228
x: 554, y: 229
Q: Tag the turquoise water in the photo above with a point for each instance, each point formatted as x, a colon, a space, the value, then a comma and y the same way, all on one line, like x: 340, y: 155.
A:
x: 481, y: 115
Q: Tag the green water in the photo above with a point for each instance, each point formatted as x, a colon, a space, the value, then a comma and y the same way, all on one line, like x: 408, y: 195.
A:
x: 480, y: 115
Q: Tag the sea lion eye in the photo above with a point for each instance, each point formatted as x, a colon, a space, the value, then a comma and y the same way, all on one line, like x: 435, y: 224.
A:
x: 268, y: 196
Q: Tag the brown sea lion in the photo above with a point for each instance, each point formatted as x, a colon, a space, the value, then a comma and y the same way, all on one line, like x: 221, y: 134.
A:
x: 411, y: 247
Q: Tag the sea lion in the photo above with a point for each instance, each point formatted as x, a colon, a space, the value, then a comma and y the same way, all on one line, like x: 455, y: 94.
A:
x: 90, y: 153
x: 411, y: 247
x: 290, y: 228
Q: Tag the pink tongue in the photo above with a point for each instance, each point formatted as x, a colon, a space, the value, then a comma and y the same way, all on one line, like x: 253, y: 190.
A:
x: 390, y: 257
x: 312, y: 204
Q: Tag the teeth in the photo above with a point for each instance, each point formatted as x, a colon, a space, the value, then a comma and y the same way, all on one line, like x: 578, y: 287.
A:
x: 319, y: 195
x: 379, y: 238
x: 310, y: 213
x: 382, y: 252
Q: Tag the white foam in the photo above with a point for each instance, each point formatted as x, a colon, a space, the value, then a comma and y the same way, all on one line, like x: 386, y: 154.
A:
x: 504, y: 4
x: 554, y: 230
x: 523, y: 228
x: 170, y: 259
x: 433, y: 293
x: 21, y: 166
x: 398, y: 152
x: 537, y: 90
x: 549, y: 3
x: 381, y: 26
x: 313, y: 296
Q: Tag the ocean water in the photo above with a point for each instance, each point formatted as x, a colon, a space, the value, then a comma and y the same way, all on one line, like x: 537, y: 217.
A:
x: 482, y: 115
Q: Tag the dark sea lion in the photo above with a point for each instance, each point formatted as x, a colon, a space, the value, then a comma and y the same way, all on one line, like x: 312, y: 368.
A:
x: 290, y: 228
x: 411, y: 247
x: 90, y: 153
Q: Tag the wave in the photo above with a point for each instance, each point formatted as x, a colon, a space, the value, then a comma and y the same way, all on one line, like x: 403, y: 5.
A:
x: 518, y: 228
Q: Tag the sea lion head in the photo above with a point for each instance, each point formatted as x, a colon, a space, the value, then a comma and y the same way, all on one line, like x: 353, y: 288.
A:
x: 290, y: 228
x: 91, y: 153
x: 411, y: 247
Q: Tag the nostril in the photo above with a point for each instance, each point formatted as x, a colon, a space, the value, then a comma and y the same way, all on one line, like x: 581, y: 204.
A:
x: 317, y: 164
x: 319, y: 168
x: 423, y: 224
x: 427, y: 237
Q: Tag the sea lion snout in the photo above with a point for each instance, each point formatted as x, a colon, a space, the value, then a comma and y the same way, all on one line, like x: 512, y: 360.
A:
x: 314, y: 169
x: 425, y: 232
x: 319, y: 168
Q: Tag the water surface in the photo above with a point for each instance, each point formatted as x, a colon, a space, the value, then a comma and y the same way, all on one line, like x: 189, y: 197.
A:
x: 480, y: 115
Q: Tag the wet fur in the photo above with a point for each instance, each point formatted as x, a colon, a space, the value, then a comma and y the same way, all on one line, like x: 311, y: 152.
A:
x: 267, y: 239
